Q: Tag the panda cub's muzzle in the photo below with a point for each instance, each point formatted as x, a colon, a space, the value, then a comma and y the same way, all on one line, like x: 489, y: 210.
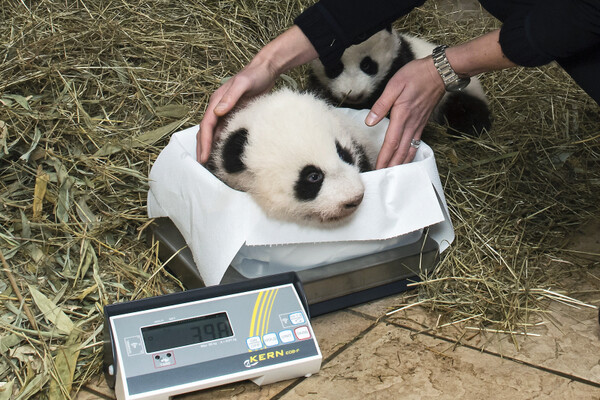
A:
x: 344, y: 210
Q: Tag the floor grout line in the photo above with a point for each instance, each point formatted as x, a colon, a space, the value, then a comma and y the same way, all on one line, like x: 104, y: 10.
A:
x: 332, y: 356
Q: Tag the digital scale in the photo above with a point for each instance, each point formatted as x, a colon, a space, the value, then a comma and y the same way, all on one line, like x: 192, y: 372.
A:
x: 244, y: 328
x: 256, y: 330
x: 252, y: 321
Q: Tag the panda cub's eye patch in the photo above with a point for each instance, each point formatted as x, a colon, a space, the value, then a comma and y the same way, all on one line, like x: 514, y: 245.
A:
x: 344, y: 154
x: 368, y: 66
x: 333, y: 71
x: 309, y: 183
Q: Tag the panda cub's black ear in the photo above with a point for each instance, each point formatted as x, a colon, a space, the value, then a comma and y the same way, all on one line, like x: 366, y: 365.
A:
x: 233, y: 151
x: 364, y: 165
x: 344, y: 154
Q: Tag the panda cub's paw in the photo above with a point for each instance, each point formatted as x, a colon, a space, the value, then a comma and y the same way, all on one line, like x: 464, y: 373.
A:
x: 296, y: 155
x: 464, y: 113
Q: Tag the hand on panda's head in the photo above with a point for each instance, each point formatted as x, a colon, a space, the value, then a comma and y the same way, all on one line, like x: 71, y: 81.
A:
x: 410, y: 97
x: 288, y: 50
x: 253, y: 80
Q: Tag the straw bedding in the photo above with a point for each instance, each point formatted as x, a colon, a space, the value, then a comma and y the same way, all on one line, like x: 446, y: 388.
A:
x: 90, y: 91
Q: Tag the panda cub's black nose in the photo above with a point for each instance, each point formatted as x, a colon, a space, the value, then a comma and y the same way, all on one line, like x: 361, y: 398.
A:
x: 355, y: 202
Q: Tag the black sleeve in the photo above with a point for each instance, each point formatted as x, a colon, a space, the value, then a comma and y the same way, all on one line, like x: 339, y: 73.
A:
x: 333, y: 25
x: 551, y: 30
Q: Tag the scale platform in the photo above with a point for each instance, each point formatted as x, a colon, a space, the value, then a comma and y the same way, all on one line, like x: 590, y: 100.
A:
x: 328, y: 287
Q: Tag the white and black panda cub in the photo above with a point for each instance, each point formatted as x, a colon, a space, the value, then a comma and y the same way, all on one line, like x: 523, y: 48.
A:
x: 296, y: 155
x: 360, y: 76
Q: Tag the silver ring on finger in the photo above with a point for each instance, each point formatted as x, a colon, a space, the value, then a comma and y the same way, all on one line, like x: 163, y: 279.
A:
x: 415, y: 143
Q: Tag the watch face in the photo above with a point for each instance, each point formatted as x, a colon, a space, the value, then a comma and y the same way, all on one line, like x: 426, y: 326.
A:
x: 458, y: 84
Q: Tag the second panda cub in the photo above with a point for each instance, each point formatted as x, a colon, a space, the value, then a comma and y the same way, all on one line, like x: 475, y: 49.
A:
x: 360, y: 76
x: 296, y: 155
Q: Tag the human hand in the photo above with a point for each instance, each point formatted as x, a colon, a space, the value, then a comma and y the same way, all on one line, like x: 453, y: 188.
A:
x: 410, y: 97
x: 288, y: 50
x: 256, y: 78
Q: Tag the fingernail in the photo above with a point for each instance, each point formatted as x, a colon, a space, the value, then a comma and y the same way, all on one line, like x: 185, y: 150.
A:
x: 371, y: 118
x: 220, y: 107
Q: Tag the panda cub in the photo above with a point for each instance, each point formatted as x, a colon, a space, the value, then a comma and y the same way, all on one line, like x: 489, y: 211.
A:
x: 296, y: 155
x: 360, y: 76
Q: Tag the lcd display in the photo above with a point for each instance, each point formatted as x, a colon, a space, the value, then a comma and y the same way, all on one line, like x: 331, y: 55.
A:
x: 186, y: 332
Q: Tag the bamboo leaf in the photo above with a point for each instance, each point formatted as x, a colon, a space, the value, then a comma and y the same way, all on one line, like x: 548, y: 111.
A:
x: 172, y: 110
x: 8, y: 341
x: 65, y: 362
x: 41, y: 184
x: 64, y: 200
x: 88, y: 256
x: 85, y: 214
x: 33, y: 386
x: 36, y: 138
x: 107, y: 150
x: 51, y: 311
x: 3, y: 137
x: 21, y: 100
x: 149, y: 138
x: 6, y: 389
x: 143, y: 140
x: 25, y: 226
x: 290, y: 81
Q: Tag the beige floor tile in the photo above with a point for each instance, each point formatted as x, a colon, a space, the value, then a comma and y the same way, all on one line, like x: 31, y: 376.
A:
x: 335, y: 330
x: 388, y: 364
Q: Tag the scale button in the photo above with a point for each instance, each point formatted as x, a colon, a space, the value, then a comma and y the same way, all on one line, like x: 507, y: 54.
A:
x: 302, y: 333
x: 163, y: 360
x: 254, y: 343
x: 270, y: 339
x: 286, y: 336
x: 297, y: 318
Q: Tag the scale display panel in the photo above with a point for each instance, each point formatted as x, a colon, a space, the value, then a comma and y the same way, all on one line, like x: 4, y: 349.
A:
x: 186, y: 332
x: 263, y: 335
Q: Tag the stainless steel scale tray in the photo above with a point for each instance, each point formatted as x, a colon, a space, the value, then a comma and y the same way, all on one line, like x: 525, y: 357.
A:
x: 329, y: 287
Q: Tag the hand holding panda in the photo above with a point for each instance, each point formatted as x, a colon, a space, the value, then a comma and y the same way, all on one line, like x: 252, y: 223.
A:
x: 408, y: 113
x: 392, y: 72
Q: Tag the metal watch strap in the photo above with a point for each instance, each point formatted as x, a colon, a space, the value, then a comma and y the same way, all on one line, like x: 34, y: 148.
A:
x: 452, y: 81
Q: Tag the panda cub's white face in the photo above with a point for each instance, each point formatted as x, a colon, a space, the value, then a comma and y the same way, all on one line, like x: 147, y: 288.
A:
x: 361, y: 69
x: 295, y: 155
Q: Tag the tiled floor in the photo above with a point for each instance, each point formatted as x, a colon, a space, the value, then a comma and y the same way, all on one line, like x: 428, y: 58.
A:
x: 387, y: 358
x: 368, y: 355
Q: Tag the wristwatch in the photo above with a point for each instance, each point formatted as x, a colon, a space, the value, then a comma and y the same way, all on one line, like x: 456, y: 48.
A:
x: 452, y: 81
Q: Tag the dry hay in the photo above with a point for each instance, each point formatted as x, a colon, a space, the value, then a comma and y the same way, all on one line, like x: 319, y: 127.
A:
x: 90, y: 91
